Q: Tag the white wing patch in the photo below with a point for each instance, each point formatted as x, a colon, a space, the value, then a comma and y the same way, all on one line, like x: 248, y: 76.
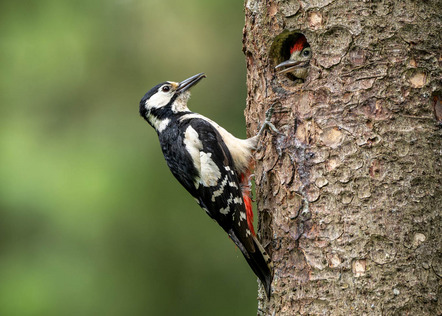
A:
x: 210, y: 174
x: 193, y: 147
x: 240, y: 149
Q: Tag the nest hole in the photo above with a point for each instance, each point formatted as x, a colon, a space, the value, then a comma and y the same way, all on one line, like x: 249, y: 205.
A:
x: 282, y: 49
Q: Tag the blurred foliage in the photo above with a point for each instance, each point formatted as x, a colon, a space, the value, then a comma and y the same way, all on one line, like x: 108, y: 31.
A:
x: 91, y: 220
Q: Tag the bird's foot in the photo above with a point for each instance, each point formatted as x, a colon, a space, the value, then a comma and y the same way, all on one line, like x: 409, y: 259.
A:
x: 267, y: 123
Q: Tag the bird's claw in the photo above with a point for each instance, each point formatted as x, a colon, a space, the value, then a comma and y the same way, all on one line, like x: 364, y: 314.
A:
x: 267, y: 123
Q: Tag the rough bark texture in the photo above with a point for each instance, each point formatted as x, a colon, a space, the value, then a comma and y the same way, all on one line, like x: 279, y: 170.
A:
x: 349, y: 194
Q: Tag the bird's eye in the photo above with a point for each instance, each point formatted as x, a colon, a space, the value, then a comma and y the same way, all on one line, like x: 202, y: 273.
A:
x: 165, y: 89
x: 306, y: 52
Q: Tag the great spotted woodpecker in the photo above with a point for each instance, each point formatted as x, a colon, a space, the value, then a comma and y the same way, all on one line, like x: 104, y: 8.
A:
x: 297, y: 64
x: 213, y: 165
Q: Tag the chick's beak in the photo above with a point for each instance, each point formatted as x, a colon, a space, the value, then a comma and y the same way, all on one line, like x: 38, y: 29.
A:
x: 189, y: 82
x: 290, y: 65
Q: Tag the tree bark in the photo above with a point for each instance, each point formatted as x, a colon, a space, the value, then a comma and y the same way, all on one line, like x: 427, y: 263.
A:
x: 349, y: 193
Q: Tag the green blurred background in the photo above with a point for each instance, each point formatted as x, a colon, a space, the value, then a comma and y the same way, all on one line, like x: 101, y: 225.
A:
x: 91, y: 220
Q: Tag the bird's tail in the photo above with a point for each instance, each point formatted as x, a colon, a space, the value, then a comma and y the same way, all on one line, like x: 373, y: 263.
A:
x: 262, y: 265
x: 258, y: 260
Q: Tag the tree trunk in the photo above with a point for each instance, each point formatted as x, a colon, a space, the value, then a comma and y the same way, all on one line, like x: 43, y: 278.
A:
x: 349, y: 193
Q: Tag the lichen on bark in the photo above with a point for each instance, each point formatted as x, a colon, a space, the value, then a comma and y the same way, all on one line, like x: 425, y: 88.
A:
x: 349, y: 193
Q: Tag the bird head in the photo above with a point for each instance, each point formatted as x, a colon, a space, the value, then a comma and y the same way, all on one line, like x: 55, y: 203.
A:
x: 168, y: 97
x: 297, y: 64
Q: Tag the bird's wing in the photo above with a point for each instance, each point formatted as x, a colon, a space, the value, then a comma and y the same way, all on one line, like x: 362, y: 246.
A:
x: 219, y: 191
x: 210, y: 177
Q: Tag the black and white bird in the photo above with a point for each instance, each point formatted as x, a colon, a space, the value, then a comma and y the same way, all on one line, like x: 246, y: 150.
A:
x: 213, y: 165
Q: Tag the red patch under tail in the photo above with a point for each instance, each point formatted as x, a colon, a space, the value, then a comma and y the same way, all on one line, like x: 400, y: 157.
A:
x: 246, y: 194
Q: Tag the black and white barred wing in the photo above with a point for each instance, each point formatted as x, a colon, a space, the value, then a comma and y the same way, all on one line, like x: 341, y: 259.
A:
x: 218, y: 192
x: 217, y: 185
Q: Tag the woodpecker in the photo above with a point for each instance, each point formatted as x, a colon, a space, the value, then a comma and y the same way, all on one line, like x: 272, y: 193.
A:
x: 297, y: 64
x: 213, y: 165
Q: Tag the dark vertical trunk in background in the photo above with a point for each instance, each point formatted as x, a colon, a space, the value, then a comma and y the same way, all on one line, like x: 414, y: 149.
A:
x: 349, y: 194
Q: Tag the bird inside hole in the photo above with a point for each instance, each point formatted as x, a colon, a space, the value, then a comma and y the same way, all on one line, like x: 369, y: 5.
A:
x: 296, y: 67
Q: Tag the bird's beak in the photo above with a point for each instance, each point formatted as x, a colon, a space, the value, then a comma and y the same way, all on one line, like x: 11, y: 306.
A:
x: 189, y: 82
x: 290, y: 65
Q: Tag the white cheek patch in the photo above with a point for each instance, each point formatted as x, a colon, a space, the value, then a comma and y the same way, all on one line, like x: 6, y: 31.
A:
x: 158, y: 100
